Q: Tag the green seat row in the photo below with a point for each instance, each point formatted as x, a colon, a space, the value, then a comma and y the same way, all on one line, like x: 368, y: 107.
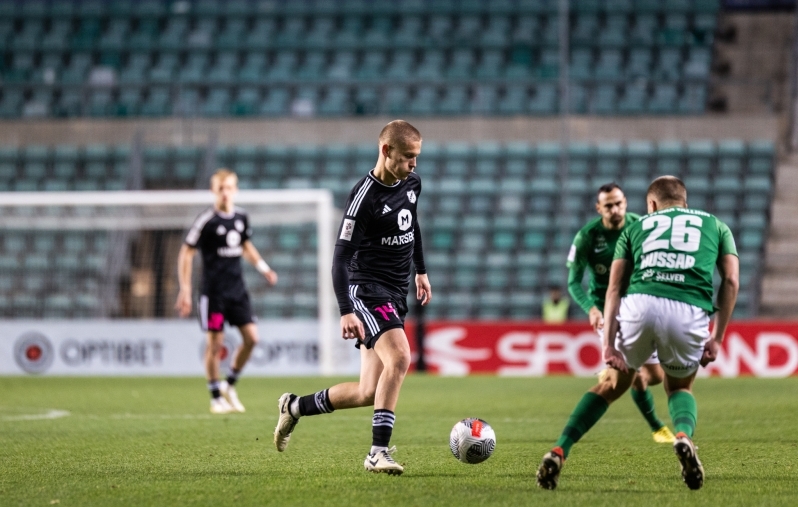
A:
x: 154, y: 9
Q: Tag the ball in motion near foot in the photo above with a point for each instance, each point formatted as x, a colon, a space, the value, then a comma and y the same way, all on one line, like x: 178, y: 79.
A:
x: 472, y: 440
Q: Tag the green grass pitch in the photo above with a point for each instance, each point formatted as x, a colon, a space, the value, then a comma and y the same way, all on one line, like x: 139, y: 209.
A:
x: 152, y: 442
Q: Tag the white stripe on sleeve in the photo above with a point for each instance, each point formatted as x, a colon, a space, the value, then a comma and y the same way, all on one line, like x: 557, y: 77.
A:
x: 355, y: 206
x: 196, y: 229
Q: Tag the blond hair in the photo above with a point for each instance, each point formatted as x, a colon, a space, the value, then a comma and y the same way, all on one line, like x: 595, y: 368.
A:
x: 222, y: 174
x: 399, y: 132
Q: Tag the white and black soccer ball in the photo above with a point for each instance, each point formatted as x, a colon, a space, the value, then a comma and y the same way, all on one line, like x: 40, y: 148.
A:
x: 472, y: 440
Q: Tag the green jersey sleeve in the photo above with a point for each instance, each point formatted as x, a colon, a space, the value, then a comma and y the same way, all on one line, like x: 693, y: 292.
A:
x: 577, y: 262
x: 577, y: 256
x: 623, y: 249
x: 726, y: 245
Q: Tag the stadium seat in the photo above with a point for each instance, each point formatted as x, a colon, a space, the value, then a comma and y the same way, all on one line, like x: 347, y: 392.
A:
x: 639, y: 65
x: 697, y: 184
x: 616, y: 42
x: 758, y: 184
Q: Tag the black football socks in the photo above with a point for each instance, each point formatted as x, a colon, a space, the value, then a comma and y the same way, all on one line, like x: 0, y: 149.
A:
x: 213, y: 387
x: 232, y: 377
x: 381, y: 430
x: 313, y: 404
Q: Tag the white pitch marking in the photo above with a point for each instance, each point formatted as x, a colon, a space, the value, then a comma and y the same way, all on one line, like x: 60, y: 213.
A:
x: 50, y: 414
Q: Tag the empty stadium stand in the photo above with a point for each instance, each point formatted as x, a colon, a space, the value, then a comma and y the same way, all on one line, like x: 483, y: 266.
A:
x: 269, y: 58
x: 494, y: 234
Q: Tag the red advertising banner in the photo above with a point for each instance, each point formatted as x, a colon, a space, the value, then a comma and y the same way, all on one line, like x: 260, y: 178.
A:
x: 762, y: 349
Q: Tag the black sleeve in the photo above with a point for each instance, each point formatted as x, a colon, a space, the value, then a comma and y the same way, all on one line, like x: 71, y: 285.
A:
x: 195, y: 234
x: 418, y: 251
x: 350, y: 233
x: 342, y: 255
x: 247, y: 234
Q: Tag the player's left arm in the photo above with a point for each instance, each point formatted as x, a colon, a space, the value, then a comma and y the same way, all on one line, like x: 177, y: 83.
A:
x: 619, y: 273
x: 423, y: 287
x: 612, y: 305
x: 251, y: 255
x: 729, y: 270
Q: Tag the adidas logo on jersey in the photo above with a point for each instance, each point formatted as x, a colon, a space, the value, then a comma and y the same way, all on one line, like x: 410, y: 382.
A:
x: 386, y: 209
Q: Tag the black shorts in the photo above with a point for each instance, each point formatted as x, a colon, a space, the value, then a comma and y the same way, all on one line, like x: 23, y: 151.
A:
x: 378, y: 309
x: 214, y: 311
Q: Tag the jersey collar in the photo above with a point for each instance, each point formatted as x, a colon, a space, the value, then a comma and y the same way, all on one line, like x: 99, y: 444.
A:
x: 371, y: 175
x: 226, y: 216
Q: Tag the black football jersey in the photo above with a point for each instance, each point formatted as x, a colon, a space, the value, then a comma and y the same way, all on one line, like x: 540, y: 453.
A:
x: 380, y: 223
x: 220, y: 238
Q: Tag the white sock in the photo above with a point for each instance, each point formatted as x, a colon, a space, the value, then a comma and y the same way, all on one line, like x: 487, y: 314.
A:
x: 375, y: 449
x: 293, y: 407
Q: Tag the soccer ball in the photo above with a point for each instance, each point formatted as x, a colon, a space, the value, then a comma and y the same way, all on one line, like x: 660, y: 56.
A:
x: 472, y: 441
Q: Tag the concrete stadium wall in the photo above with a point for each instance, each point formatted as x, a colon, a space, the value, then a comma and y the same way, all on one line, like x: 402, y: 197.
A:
x: 292, y: 131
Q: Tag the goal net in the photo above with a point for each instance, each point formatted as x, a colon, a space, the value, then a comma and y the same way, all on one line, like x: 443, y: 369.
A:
x: 105, y: 256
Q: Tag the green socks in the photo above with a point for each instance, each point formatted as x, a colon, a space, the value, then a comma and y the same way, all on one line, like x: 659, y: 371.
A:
x: 684, y: 412
x: 645, y: 403
x: 587, y: 413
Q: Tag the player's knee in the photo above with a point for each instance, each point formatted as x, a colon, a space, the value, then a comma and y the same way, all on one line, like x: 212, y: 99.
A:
x: 367, y: 395
x: 655, y: 376
x: 250, y: 341
x: 613, y: 387
x: 401, y: 362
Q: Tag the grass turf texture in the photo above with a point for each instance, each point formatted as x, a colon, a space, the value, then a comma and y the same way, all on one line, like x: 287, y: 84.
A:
x: 152, y: 442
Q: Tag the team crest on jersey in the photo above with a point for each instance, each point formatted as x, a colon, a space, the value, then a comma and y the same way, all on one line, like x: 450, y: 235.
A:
x: 601, y: 269
x: 239, y: 226
x: 411, y: 196
x: 233, y: 239
x: 404, y: 219
x: 221, y: 231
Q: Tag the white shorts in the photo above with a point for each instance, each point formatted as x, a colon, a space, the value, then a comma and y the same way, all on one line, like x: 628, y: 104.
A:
x: 676, y: 331
x: 652, y: 359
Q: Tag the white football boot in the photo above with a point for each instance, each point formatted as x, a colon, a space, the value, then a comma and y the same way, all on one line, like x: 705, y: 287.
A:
x: 383, y: 462
x: 230, y: 394
x: 285, y: 423
x: 221, y: 406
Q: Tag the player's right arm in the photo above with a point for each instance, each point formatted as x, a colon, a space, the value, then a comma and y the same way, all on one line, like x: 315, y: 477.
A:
x: 577, y: 262
x: 185, y: 260
x: 350, y: 234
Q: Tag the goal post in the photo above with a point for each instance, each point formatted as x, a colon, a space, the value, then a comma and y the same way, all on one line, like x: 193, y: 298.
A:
x: 117, y: 233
